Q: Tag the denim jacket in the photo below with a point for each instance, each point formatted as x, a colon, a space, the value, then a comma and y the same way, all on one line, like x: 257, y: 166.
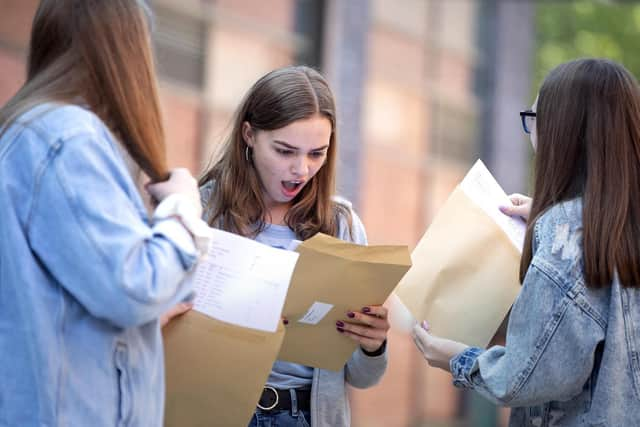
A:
x: 571, y: 356
x: 84, y: 277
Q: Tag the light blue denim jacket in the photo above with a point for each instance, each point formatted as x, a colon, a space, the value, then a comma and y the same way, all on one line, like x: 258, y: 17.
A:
x: 83, y: 278
x: 571, y: 355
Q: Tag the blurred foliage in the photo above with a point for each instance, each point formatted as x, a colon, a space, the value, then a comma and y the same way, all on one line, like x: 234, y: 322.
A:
x: 572, y: 29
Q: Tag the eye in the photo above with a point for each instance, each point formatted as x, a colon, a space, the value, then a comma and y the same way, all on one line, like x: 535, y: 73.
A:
x: 284, y: 152
x: 317, y: 154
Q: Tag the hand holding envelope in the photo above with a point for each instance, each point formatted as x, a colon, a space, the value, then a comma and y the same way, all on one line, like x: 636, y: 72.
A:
x: 368, y: 328
x: 520, y: 206
x: 436, y: 350
x: 465, y: 268
x: 219, y: 355
x: 332, y: 278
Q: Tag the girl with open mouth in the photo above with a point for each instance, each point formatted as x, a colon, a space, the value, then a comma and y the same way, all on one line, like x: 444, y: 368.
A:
x: 274, y: 180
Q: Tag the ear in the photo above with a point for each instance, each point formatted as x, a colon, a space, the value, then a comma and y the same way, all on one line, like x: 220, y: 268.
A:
x: 247, y: 134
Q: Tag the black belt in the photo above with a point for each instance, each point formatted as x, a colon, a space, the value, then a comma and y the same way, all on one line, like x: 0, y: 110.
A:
x: 273, y: 399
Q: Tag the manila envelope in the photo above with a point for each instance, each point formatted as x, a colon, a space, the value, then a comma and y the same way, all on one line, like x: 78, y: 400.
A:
x: 345, y: 275
x: 215, y: 371
x: 464, y: 277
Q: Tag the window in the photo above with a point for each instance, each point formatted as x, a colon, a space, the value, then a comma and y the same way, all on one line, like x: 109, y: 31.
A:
x: 179, y: 40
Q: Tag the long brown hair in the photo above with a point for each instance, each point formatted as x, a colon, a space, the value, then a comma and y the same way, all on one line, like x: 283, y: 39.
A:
x: 276, y: 100
x: 97, y: 53
x: 588, y: 145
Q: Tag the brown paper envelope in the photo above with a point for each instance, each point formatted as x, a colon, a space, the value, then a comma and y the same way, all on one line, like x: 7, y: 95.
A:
x: 343, y: 274
x: 215, y: 370
x: 464, y: 276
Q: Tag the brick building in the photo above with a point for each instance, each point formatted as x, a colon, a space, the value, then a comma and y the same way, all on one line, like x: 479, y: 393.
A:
x: 418, y: 83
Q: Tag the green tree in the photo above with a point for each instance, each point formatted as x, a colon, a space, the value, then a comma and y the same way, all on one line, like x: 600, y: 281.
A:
x: 571, y: 29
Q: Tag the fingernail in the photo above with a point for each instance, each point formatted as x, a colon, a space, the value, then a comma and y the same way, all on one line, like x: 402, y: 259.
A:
x: 351, y: 314
x: 339, y: 324
x: 285, y: 321
x: 503, y: 209
x: 366, y: 310
x: 340, y: 330
x: 425, y: 325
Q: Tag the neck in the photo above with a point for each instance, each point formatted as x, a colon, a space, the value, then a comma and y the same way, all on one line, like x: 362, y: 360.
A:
x: 276, y: 213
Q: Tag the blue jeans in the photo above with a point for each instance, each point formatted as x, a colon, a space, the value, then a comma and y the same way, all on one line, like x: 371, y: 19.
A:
x: 282, y: 418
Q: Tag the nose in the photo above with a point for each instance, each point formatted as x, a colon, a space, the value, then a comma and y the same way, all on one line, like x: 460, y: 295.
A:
x: 300, y: 167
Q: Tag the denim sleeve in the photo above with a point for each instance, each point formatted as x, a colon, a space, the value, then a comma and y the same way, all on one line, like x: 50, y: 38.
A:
x: 91, y: 236
x: 549, y: 352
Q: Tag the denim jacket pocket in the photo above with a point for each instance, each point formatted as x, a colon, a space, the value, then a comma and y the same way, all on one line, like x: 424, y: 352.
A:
x: 124, y: 385
x: 536, y: 416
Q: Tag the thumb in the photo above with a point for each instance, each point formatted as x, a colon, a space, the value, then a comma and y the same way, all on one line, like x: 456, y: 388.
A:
x: 519, y: 199
x: 520, y: 210
x: 421, y: 337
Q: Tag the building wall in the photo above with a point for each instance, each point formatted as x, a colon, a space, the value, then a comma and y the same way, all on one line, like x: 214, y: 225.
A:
x: 15, y: 23
x: 418, y: 121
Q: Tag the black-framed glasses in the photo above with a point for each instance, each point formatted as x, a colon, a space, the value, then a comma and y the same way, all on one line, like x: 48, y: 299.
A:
x: 528, y: 120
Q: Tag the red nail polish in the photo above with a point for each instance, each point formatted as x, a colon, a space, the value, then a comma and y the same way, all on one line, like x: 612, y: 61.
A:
x: 339, y: 323
x: 285, y: 321
x: 366, y: 310
x: 351, y: 314
x: 340, y: 330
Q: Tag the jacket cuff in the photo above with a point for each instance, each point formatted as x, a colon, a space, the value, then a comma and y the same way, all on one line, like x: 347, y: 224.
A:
x: 182, y: 240
x: 462, y: 366
x: 379, y: 352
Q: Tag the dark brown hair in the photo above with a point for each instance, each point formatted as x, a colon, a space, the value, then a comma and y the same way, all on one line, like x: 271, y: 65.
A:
x: 588, y: 145
x: 276, y: 100
x: 97, y: 53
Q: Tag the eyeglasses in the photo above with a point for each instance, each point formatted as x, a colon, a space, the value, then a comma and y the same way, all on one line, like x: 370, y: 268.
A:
x: 528, y: 120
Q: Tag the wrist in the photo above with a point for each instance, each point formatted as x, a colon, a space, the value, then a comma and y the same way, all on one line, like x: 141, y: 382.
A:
x: 377, y: 352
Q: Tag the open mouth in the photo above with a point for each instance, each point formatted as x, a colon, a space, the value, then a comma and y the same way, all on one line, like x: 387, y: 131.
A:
x: 291, y: 187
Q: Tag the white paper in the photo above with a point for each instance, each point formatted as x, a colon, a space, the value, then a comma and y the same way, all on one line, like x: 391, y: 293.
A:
x: 293, y: 245
x: 243, y: 282
x: 316, y: 313
x: 482, y: 188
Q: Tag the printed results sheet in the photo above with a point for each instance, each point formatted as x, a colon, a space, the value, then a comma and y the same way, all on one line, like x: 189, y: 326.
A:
x: 243, y: 282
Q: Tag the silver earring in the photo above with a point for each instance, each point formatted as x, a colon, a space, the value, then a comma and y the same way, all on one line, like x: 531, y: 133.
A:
x: 246, y: 153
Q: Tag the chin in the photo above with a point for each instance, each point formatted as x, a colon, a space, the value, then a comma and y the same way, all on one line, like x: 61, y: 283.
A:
x: 281, y: 199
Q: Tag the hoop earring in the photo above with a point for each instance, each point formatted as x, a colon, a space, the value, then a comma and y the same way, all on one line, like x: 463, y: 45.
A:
x: 246, y: 153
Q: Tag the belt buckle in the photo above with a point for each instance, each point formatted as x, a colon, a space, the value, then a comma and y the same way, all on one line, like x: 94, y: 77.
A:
x: 268, y: 408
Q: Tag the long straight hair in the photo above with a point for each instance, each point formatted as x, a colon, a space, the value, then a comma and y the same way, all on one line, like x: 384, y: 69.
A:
x: 276, y: 100
x: 588, y: 145
x: 97, y: 53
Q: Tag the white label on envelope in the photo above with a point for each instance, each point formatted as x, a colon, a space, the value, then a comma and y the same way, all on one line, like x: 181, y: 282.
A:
x: 316, y: 313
